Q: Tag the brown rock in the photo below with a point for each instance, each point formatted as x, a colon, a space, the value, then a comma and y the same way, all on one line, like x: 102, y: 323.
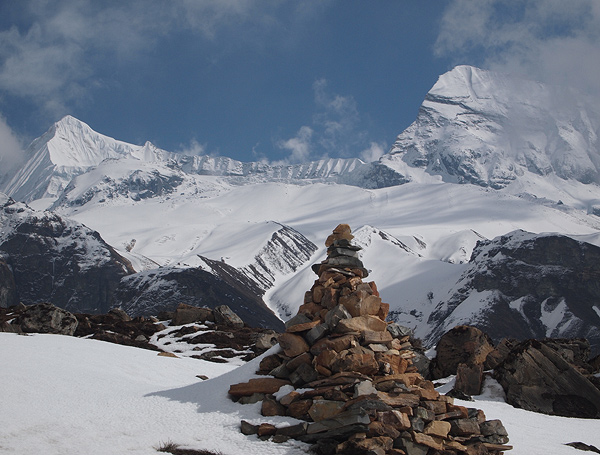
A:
x: 289, y: 398
x: 310, y: 309
x: 305, y: 357
x: 270, y: 407
x: 399, y: 400
x: 185, y: 314
x: 462, y: 344
x: 317, y: 293
x: 407, y: 379
x: 326, y: 358
x: 258, y: 385
x: 357, y: 359
x: 469, y: 378
x: 378, y: 428
x: 302, y: 327
x: 299, y: 409
x: 330, y: 297
x: 430, y: 441
x: 337, y: 344
x: 438, y: 407
x: 396, y: 418
x: 361, y: 303
x: 464, y: 427
x: 325, y: 409
x: 361, y: 324
x: 379, y: 445
x: 371, y: 336
x: 384, y: 309
x: 292, y: 345
x: 266, y: 429
x: 438, y: 428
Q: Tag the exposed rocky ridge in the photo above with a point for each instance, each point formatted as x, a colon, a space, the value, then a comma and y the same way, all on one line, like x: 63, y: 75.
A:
x: 284, y: 253
x: 56, y: 260
x: 213, y: 335
x: 529, y: 286
x: 163, y: 289
x: 489, y: 129
x: 348, y: 374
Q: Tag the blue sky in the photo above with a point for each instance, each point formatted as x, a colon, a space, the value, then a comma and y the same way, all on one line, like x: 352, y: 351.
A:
x: 276, y: 80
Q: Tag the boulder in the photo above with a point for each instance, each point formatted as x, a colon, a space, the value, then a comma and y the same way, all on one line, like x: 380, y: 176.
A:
x: 186, y: 314
x: 47, y: 318
x: 225, y: 315
x: 537, y: 378
x: 462, y: 344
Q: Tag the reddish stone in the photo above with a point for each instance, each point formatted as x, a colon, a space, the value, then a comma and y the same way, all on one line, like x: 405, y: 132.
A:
x: 302, y: 327
x: 292, y: 345
x: 266, y: 429
x: 270, y: 407
x: 360, y: 324
x: 337, y: 344
x: 299, y: 409
x: 373, y: 287
x: 384, y: 309
x: 259, y: 385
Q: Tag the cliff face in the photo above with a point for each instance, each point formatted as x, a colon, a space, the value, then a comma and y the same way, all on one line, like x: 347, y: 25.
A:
x: 531, y: 286
x: 59, y: 261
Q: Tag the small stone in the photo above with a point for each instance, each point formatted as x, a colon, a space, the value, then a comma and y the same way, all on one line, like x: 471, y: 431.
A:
x: 302, y: 327
x: 254, y: 398
x: 299, y: 409
x: 325, y: 409
x: 292, y: 345
x: 438, y: 428
x: 316, y: 333
x: 464, y: 427
x: 266, y: 429
x: 225, y: 315
x: 167, y: 354
x: 306, y: 357
x: 248, y: 429
x: 298, y: 319
x: 430, y: 441
x: 258, y: 385
x: 397, y: 419
x: 271, y: 407
x: 364, y: 388
x: 398, y: 331
x: 338, y: 344
x: 371, y: 336
x: 303, y: 375
x: 335, y: 315
x: 361, y: 324
x: 293, y: 431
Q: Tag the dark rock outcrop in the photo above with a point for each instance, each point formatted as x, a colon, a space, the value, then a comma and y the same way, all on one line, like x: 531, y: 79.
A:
x: 47, y: 318
x: 59, y: 261
x: 154, y: 291
x: 8, y: 288
x: 537, y: 377
x: 462, y: 345
x: 531, y: 286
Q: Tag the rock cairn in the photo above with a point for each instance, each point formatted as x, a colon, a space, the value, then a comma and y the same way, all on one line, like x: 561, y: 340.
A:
x: 349, y: 376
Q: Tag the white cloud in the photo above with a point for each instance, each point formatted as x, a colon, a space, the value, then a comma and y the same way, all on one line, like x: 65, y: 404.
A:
x: 547, y: 40
x: 52, y: 56
x: 335, y: 130
x: 299, y: 147
x: 11, y: 152
x: 194, y: 148
x: 373, y: 153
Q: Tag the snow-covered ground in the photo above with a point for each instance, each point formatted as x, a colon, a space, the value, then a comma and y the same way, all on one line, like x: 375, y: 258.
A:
x: 65, y: 395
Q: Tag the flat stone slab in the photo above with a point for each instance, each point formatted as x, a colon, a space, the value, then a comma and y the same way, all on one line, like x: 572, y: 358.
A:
x: 258, y: 385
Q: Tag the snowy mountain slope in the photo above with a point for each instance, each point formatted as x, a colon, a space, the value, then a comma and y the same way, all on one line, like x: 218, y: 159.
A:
x: 62, y: 389
x: 489, y: 129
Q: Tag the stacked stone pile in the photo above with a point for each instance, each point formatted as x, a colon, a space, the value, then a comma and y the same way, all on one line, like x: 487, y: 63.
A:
x: 348, y: 375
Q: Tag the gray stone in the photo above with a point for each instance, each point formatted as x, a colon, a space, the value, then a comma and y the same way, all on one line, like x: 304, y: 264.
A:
x: 303, y: 375
x: 417, y: 424
x: 364, y: 388
x: 293, y: 431
x: 336, y: 315
x: 345, y: 419
x: 300, y: 318
x: 398, y: 331
x: 47, y: 318
x: 248, y: 429
x: 254, y: 398
x: 120, y: 313
x: 225, y: 315
x: 316, y: 333
x: 266, y: 340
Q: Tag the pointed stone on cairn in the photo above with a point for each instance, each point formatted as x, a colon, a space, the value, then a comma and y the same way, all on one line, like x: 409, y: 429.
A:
x: 364, y: 395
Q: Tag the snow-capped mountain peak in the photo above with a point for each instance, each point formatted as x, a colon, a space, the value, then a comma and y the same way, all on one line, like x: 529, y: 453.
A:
x: 490, y: 129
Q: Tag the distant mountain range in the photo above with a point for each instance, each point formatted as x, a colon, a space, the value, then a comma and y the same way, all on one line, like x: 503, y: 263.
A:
x: 491, y: 168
